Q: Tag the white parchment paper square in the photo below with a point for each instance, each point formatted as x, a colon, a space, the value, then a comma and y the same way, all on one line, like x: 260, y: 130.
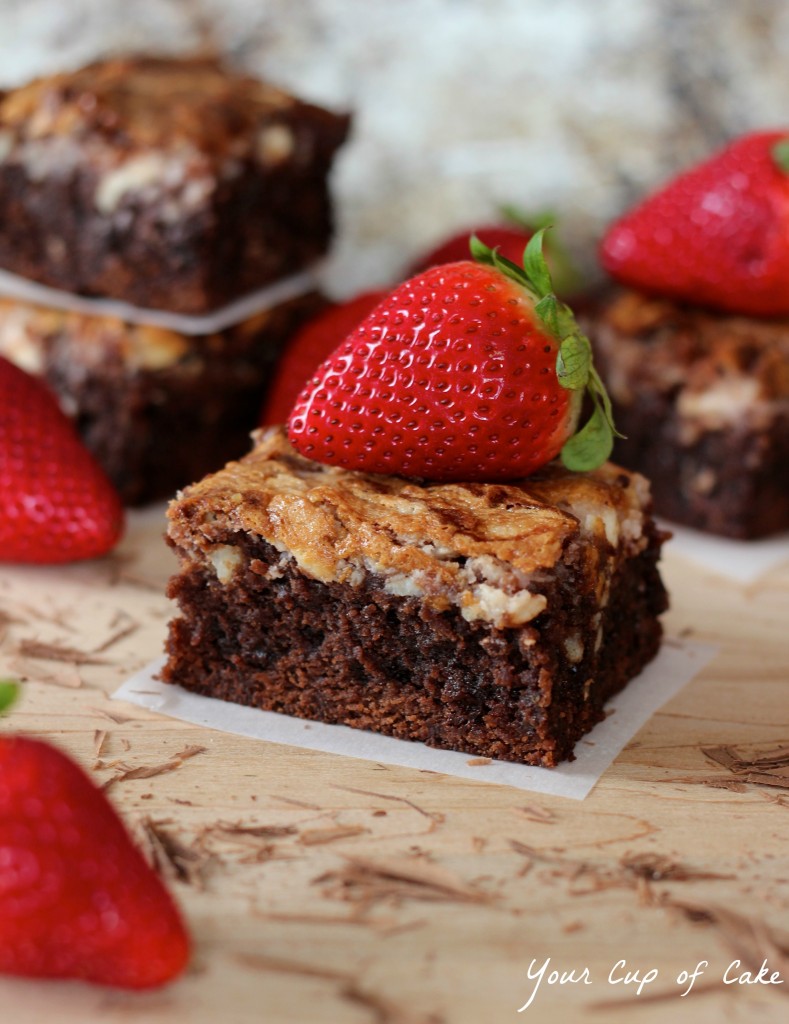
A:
x: 12, y: 286
x: 676, y: 664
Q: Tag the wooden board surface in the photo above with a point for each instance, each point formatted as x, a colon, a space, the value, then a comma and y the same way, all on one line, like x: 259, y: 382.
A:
x: 326, y: 889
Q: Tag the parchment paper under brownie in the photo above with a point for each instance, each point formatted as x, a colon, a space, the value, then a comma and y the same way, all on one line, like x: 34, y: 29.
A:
x: 492, y: 619
x: 158, y: 408
x: 170, y: 183
x: 703, y: 401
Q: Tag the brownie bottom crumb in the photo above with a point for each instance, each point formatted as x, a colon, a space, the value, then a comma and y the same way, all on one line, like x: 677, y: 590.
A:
x: 364, y: 658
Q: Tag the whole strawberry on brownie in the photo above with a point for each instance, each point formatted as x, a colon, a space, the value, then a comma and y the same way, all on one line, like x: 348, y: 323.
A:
x: 440, y: 555
x: 469, y: 371
x: 77, y: 898
x: 56, y: 503
x: 696, y: 350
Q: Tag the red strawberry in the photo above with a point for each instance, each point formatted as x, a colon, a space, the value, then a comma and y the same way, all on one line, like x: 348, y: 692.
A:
x: 717, y: 235
x: 308, y: 349
x: 56, y: 504
x: 469, y: 371
x: 77, y: 899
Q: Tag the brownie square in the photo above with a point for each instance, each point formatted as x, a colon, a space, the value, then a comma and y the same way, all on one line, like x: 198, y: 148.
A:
x: 491, y: 619
x: 703, y: 401
x: 157, y: 407
x: 170, y: 183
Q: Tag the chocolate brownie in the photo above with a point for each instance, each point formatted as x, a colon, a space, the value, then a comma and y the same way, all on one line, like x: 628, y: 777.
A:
x: 170, y: 183
x: 703, y: 401
x: 157, y: 408
x: 491, y: 619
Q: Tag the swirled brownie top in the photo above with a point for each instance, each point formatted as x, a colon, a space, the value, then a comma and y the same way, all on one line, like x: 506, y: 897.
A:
x: 483, y: 547
x: 146, y: 102
x: 675, y: 345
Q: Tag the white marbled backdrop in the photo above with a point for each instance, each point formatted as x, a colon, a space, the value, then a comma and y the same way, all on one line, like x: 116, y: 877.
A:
x: 570, y: 105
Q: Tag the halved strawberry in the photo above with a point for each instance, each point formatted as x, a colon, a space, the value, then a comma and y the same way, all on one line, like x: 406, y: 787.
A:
x: 469, y: 371
x: 56, y: 503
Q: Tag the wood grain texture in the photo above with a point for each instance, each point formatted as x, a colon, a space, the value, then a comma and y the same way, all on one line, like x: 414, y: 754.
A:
x: 326, y: 889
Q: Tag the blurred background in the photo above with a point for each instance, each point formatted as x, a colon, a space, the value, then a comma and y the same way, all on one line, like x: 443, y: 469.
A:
x: 461, y: 105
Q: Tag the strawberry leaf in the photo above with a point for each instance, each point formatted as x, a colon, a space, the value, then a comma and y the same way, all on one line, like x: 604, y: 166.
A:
x: 9, y: 691
x: 591, y: 446
x: 547, y: 309
x: 573, y: 362
x: 535, y: 266
x: 599, y: 393
x: 528, y: 223
x: 480, y: 252
x: 780, y: 155
x: 564, y: 273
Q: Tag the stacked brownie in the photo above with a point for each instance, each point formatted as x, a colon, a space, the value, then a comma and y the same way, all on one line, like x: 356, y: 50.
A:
x: 702, y: 399
x: 176, y: 187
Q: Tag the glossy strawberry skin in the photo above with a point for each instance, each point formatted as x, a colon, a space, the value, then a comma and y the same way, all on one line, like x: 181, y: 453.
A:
x: 56, y: 503
x: 308, y: 348
x: 509, y: 241
x: 77, y: 899
x: 452, y: 377
x: 717, y: 235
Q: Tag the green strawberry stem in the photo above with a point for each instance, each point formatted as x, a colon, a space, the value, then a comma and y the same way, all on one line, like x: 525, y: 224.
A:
x: 9, y: 691
x: 590, y: 446
x: 780, y: 154
x: 567, y: 275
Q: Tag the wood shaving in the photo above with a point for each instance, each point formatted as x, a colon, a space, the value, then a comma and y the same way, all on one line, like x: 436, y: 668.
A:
x: 770, y: 768
x: 475, y: 762
x: 190, y: 751
x: 69, y: 678
x: 296, y: 803
x: 236, y: 830
x: 750, y: 939
x: 714, y: 783
x: 39, y: 650
x: 631, y: 872
x: 172, y: 858
x: 149, y: 771
x: 99, y: 739
x: 317, y: 836
x: 113, y: 716
x: 656, y: 868
x: 395, y: 881
x: 383, y: 1010
x: 250, y: 844
x: 320, y: 919
x: 261, y: 962
x: 8, y: 619
x: 541, y: 815
x: 435, y: 816
x: 121, y: 634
